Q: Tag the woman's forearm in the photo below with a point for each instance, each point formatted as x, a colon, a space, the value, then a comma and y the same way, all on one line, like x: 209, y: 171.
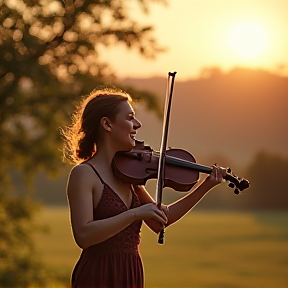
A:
x: 98, y: 231
x: 182, y: 206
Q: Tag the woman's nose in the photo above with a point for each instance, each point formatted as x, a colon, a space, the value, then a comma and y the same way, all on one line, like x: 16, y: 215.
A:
x: 137, y: 124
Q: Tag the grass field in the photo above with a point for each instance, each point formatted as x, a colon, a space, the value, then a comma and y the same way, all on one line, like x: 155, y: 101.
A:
x: 203, y: 250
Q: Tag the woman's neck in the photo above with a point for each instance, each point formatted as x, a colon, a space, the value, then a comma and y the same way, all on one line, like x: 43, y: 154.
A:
x: 103, y: 157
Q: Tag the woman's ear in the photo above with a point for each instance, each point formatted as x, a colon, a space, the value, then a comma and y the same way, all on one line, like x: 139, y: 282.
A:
x: 106, y: 123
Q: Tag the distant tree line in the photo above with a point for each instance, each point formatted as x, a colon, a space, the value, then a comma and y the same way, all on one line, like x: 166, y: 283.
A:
x: 267, y: 174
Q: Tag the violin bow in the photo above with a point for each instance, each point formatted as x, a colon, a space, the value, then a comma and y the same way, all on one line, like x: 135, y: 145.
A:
x: 161, y: 166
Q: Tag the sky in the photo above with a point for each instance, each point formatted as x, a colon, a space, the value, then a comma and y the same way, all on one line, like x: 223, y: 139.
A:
x: 199, y: 34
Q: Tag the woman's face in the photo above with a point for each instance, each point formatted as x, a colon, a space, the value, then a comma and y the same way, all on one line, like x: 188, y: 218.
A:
x: 123, y: 129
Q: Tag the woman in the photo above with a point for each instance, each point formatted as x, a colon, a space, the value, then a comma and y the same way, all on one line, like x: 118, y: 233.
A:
x: 106, y: 214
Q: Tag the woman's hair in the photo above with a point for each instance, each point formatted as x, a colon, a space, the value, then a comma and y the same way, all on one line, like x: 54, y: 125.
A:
x: 81, y: 137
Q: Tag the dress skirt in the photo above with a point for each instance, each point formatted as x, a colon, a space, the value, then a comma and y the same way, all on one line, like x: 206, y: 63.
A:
x: 113, y: 269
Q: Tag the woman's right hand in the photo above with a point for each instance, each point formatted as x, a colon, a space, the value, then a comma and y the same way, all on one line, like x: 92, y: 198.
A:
x: 150, y: 211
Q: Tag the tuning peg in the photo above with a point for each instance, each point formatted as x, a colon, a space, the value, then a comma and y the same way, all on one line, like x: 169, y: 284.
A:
x: 231, y: 185
x: 236, y: 191
x: 229, y: 170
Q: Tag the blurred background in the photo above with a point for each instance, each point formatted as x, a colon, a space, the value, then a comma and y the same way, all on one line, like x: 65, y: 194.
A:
x: 229, y: 106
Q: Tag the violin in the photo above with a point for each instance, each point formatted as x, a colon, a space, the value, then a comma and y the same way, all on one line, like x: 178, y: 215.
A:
x: 181, y: 172
x: 173, y: 168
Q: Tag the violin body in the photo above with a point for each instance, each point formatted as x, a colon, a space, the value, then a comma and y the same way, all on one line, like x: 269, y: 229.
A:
x: 141, y: 164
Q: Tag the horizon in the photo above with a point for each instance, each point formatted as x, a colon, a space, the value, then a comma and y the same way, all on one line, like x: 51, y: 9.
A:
x: 203, y: 76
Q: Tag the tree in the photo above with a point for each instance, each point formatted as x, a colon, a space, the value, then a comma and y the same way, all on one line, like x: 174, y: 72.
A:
x: 268, y: 176
x: 49, y: 55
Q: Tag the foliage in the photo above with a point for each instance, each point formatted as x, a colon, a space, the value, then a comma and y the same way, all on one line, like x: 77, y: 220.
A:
x: 17, y: 252
x: 49, y: 56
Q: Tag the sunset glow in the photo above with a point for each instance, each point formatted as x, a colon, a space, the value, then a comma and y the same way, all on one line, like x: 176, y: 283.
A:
x: 248, y: 39
x: 209, y: 33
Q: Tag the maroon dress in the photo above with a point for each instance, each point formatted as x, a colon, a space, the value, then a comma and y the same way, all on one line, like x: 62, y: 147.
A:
x: 115, y: 262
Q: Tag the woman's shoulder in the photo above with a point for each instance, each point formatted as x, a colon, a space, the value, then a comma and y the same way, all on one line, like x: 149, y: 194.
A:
x: 83, y: 172
x: 83, y: 178
x: 79, y: 169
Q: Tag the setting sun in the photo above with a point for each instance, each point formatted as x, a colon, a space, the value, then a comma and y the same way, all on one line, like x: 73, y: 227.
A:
x: 248, y: 39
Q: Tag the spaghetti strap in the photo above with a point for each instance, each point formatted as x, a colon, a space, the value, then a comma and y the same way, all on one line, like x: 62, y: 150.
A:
x: 96, y: 172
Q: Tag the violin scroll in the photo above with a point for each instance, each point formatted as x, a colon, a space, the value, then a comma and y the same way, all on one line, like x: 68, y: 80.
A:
x: 234, y: 181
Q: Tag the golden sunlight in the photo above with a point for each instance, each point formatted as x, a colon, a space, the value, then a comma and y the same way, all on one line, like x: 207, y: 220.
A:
x: 248, y: 39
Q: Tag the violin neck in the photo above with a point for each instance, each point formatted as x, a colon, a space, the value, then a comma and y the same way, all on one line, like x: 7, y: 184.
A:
x: 187, y: 164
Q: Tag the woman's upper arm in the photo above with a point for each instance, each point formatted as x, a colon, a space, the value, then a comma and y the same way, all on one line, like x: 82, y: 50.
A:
x: 80, y: 187
x: 143, y: 195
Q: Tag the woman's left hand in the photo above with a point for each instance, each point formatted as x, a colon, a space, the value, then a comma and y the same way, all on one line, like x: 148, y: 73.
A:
x: 217, y: 175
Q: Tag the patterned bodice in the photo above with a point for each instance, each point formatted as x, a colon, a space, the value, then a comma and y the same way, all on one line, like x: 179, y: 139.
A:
x: 110, y: 205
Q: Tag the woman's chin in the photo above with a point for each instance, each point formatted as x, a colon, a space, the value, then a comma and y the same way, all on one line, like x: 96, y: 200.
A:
x: 128, y: 146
